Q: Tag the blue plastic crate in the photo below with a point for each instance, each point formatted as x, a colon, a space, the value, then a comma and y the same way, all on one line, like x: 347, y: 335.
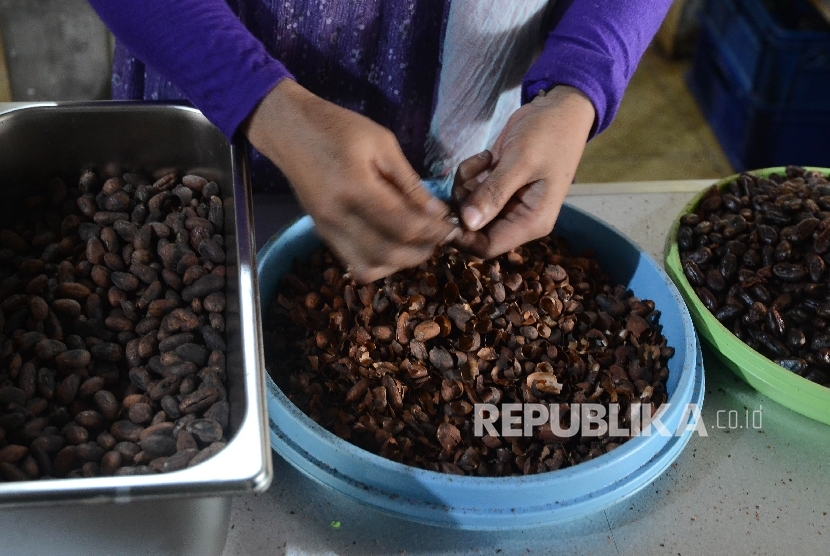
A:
x: 774, y: 56
x: 753, y: 133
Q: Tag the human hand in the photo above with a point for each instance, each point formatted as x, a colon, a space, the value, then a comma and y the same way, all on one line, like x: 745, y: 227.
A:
x: 513, y: 195
x: 349, y: 173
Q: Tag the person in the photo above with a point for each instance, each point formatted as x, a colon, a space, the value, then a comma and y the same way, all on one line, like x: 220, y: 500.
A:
x: 356, y: 102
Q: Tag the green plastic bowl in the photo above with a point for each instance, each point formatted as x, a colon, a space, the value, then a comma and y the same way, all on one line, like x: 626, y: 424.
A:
x: 772, y: 380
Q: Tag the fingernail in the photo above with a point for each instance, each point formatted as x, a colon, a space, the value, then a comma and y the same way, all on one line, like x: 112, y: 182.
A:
x: 483, y: 176
x: 472, y: 217
x: 435, y: 207
x: 456, y: 232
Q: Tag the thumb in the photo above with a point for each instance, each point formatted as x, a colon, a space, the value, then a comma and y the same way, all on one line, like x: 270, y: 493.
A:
x: 396, y: 170
x: 489, y: 198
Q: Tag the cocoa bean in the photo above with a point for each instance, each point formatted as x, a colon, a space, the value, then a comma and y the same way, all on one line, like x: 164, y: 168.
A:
x: 91, y: 308
x: 68, y: 389
x: 179, y: 460
x: 108, y: 218
x: 206, y: 453
x: 206, y: 285
x: 180, y: 320
x: 107, y: 404
x: 126, y: 230
x: 126, y: 431
x: 47, y: 350
x: 72, y: 290
x: 161, y: 307
x: 172, y: 342
x: 143, y: 272
x: 211, y: 251
x: 169, y: 385
x: 213, y: 338
x: 198, y: 401
x: 124, y: 281
x: 205, y: 431
x: 113, y: 261
x: 107, y: 351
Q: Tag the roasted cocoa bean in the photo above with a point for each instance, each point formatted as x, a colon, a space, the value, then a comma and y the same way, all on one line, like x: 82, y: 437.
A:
x: 169, y: 385
x: 215, y: 302
x: 783, y: 237
x: 170, y: 343
x: 180, y: 320
x: 39, y: 308
x: 206, y: 431
x: 212, y: 251
x: 68, y: 389
x: 170, y: 406
x: 195, y: 353
x: 47, y: 350
x: 789, y: 272
x: 107, y: 351
x: 213, y: 338
x: 114, y: 262
x: 140, y: 413
x: 124, y: 281
x: 161, y: 307
x: 206, y: 453
x: 199, y: 400
x: 72, y: 290
x: 420, y: 332
x: 205, y: 285
x: 158, y: 445
x: 179, y: 369
x: 126, y: 431
x: 75, y: 307
x: 107, y: 404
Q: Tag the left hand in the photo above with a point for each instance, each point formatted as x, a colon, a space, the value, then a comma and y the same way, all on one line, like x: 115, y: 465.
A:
x: 513, y: 195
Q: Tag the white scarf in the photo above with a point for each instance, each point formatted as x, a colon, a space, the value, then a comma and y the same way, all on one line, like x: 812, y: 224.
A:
x: 488, y: 47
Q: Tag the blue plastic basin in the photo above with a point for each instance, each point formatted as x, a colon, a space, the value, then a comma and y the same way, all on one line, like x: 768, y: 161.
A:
x: 508, y: 502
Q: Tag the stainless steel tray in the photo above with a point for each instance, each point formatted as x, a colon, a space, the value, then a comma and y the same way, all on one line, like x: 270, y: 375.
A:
x: 136, y: 513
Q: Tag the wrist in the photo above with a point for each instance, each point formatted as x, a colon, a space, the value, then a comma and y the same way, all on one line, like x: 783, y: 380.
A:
x: 275, y: 114
x: 577, y: 103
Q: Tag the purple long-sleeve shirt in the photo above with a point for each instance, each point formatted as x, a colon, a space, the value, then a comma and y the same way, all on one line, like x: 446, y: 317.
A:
x: 381, y: 58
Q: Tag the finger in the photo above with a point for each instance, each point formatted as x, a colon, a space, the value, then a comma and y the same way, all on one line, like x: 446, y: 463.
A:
x: 395, y: 169
x: 517, y: 225
x: 395, y: 259
x: 461, y: 191
x: 376, y: 257
x: 400, y: 209
x: 363, y: 274
x: 456, y: 232
x: 499, y: 145
x: 459, y: 194
x: 388, y: 218
x: 469, y: 174
x: 472, y: 167
x: 489, y: 198
x: 473, y: 243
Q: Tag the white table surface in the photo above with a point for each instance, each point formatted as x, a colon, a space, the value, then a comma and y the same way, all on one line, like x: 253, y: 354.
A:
x: 735, y: 491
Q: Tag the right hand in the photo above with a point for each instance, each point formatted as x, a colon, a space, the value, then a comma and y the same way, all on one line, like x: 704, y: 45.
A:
x: 513, y: 194
x: 349, y: 173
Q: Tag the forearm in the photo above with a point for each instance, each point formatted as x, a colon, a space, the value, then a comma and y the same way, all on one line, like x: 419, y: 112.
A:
x: 203, y: 48
x: 595, y: 47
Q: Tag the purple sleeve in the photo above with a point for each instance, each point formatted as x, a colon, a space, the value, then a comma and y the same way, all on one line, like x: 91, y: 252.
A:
x: 595, y: 47
x: 202, y: 47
